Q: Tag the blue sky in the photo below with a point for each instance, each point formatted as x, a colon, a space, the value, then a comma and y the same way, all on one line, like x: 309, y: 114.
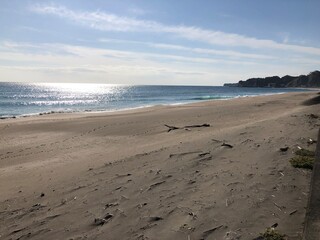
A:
x: 185, y: 42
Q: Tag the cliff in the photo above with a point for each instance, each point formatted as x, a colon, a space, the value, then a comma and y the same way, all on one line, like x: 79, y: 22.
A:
x: 311, y: 80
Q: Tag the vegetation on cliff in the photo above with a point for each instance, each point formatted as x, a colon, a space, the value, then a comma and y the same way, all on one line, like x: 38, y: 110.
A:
x: 311, y: 80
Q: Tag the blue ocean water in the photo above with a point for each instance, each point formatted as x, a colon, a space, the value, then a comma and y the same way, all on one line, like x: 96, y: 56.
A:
x: 23, y: 99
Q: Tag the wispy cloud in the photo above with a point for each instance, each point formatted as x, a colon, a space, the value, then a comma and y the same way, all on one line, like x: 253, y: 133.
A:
x: 98, y: 20
x: 110, y: 22
x: 213, y: 52
x: 87, y: 52
x: 232, y: 54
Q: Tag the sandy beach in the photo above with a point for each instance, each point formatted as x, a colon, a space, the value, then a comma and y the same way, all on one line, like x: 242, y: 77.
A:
x: 122, y: 175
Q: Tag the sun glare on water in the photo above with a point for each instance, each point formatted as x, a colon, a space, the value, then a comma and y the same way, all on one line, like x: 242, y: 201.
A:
x: 84, y: 88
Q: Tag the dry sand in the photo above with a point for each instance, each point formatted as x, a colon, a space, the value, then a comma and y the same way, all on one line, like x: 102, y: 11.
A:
x: 58, y: 173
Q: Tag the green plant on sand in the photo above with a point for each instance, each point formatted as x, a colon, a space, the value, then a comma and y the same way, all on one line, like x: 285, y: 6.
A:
x: 272, y: 234
x: 304, y: 159
x: 305, y: 153
x: 302, y: 162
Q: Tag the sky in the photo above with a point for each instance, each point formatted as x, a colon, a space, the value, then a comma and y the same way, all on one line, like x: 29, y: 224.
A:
x: 157, y: 42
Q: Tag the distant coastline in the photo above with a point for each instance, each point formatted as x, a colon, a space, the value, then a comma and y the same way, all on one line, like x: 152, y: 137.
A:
x: 312, y: 80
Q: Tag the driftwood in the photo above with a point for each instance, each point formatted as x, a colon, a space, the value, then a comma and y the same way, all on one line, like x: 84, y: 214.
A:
x: 102, y: 221
x: 171, y: 128
x: 203, y: 154
x: 293, y: 212
x: 111, y: 205
x: 155, y: 184
x: 226, y: 145
x: 155, y: 219
x: 197, y: 126
x: 284, y: 149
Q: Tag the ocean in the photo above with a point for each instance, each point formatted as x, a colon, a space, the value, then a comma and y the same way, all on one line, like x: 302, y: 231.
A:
x: 25, y: 99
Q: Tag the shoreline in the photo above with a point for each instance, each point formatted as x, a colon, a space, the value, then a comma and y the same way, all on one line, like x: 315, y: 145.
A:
x: 88, y: 111
x: 60, y: 172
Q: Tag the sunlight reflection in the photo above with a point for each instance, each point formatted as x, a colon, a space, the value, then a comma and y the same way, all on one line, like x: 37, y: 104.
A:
x: 86, y: 88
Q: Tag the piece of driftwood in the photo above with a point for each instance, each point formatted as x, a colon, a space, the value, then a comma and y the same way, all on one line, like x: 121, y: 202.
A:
x: 284, y: 149
x: 111, y: 205
x: 197, y: 126
x: 155, y: 219
x: 155, y: 184
x: 171, y: 128
x: 226, y: 145
x: 203, y: 154
x: 102, y: 221
x: 18, y: 230
x: 293, y: 212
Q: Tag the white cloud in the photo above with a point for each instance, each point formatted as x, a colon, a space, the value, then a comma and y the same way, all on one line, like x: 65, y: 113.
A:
x: 110, y: 22
x: 82, y: 52
x: 227, y: 53
x: 213, y: 52
x: 98, y: 20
